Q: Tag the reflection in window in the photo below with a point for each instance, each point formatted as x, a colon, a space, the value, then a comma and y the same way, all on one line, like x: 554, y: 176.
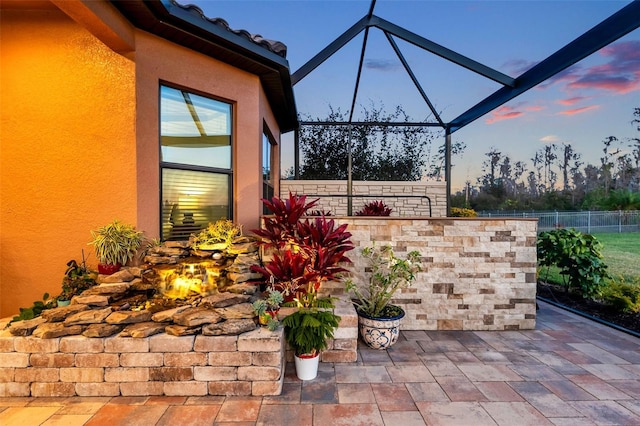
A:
x: 194, y: 130
x: 267, y: 170
x: 195, y: 149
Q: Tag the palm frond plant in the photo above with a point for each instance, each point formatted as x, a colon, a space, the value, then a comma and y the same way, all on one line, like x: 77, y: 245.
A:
x: 116, y: 243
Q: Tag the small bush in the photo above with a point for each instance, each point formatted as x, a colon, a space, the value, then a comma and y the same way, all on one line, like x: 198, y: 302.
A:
x: 460, y: 212
x: 622, y: 296
x: 374, y: 208
x: 35, y: 310
x: 222, y: 231
x: 579, y: 256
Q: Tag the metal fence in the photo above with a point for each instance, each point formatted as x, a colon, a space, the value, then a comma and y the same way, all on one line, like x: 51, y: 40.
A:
x: 588, y: 222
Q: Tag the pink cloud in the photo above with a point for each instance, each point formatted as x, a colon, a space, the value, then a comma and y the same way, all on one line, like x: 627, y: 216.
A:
x: 578, y: 110
x: 503, y: 113
x: 509, y: 112
x: 625, y: 51
x: 571, y: 101
x: 619, y: 75
x: 616, y: 84
x: 570, y: 74
x: 534, y: 108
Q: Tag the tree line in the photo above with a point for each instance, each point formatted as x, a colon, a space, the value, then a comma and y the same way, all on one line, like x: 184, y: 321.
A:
x: 558, y: 179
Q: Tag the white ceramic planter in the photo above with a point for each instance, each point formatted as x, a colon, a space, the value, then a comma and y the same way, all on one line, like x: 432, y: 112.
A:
x: 379, y: 333
x: 307, y: 367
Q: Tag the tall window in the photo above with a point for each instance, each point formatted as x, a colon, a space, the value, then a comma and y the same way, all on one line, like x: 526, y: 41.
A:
x: 195, y: 162
x: 267, y: 169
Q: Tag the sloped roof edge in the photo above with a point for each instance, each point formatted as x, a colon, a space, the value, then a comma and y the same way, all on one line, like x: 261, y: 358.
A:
x: 189, y: 27
x: 276, y: 47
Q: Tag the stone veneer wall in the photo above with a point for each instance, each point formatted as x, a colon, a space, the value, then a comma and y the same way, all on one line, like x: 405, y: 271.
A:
x: 252, y: 363
x: 249, y: 364
x: 394, y: 195
x: 479, y: 274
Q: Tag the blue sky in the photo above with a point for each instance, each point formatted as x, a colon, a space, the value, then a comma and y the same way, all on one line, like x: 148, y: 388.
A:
x: 584, y: 105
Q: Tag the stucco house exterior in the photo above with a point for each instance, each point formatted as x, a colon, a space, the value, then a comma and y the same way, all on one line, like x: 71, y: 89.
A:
x: 147, y: 112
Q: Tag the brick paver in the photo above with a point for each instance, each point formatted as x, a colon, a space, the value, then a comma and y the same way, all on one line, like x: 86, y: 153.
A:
x: 569, y: 371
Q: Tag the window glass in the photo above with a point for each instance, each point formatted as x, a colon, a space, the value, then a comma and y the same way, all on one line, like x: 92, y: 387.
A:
x: 192, y: 199
x: 194, y: 130
x: 267, y: 170
x: 195, y: 145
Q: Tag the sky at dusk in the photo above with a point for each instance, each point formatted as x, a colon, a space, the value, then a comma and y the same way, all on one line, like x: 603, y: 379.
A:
x: 582, y: 106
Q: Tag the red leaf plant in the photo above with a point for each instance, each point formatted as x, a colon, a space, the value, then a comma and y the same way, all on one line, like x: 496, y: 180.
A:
x: 374, y: 208
x: 325, y: 245
x: 308, y: 251
x: 288, y: 273
x: 279, y: 231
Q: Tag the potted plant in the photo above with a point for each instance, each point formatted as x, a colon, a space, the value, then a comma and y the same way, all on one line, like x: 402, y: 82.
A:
x: 267, y: 309
x: 378, y: 319
x: 76, y: 279
x: 115, y: 244
x: 307, y: 329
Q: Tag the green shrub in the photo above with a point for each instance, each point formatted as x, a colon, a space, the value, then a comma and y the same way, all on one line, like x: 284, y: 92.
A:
x: 35, y: 310
x: 460, y: 212
x: 222, y: 231
x: 579, y: 257
x: 622, y: 296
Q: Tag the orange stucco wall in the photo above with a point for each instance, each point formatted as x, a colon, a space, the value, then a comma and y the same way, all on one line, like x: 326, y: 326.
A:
x: 68, y: 163
x: 79, y: 140
x: 203, y: 74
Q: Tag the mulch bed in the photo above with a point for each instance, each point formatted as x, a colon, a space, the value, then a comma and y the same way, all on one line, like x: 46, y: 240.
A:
x: 555, y: 293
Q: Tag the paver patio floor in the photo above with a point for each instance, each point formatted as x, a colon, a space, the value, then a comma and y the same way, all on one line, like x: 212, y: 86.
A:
x: 568, y: 371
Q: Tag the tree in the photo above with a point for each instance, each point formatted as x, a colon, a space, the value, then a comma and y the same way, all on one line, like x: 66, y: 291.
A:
x: 436, y: 167
x: 378, y: 152
x: 568, y: 155
x: 607, y: 164
x: 490, y: 179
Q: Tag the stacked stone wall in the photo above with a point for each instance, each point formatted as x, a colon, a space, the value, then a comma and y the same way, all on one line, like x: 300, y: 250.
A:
x: 404, y: 198
x: 249, y: 364
x: 479, y: 274
x: 252, y: 363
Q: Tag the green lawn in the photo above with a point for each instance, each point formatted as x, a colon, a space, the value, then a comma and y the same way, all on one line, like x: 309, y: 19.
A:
x: 621, y: 253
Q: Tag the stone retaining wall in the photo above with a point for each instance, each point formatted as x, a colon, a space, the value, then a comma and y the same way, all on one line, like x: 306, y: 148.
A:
x: 479, y: 274
x: 395, y: 195
x: 252, y: 363
x: 249, y: 364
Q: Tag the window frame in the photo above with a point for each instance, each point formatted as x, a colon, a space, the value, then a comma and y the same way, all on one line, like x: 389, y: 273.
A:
x: 197, y: 168
x: 267, y: 137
